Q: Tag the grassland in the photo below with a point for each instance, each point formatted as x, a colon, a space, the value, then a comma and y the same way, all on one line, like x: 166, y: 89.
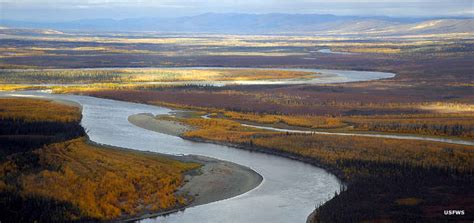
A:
x: 48, y: 171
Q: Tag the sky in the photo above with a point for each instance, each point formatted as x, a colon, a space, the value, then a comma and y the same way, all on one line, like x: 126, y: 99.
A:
x: 66, y: 10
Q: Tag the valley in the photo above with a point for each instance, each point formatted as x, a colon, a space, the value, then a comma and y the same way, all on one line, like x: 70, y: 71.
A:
x: 270, y: 117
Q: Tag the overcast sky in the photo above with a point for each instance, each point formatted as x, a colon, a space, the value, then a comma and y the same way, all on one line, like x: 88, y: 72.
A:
x: 61, y: 10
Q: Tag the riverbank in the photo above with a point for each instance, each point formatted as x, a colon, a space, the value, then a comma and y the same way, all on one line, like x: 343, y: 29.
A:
x: 175, y: 128
x: 215, y: 180
x: 149, y: 122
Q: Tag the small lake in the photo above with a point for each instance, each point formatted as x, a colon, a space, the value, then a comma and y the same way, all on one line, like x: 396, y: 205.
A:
x: 329, y: 51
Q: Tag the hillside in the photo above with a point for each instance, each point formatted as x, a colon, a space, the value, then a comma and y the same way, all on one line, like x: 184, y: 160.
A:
x: 261, y: 23
x: 49, y: 173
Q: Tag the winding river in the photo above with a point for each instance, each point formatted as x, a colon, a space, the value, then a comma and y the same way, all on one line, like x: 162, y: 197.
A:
x: 289, y: 192
x: 290, y: 189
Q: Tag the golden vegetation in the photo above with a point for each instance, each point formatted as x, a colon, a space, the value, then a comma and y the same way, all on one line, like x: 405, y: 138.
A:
x: 7, y: 52
x: 330, y: 149
x: 260, y: 41
x: 19, y: 87
x: 73, y: 76
x: 34, y: 110
x: 410, y: 201
x: 106, y: 183
x: 374, y: 50
x: 448, y: 107
x: 452, y: 125
x: 219, y: 129
x: 96, y: 87
x: 296, y: 120
x: 382, y: 174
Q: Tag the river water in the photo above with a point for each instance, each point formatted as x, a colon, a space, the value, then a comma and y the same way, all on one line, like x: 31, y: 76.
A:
x: 290, y: 190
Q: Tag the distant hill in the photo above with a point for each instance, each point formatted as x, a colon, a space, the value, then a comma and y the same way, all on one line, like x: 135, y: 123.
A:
x: 27, y: 31
x: 264, y: 24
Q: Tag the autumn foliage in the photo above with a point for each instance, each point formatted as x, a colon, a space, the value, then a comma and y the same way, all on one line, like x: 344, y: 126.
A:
x: 331, y: 149
x: 48, y: 171
x: 31, y: 110
x: 90, y: 76
x: 387, y: 179
x: 105, y: 183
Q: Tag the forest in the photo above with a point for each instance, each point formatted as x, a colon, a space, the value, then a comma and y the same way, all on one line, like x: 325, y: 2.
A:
x: 27, y: 124
x: 49, y: 172
x: 386, y: 179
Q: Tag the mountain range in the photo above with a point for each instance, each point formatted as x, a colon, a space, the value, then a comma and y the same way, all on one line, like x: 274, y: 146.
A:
x: 231, y: 23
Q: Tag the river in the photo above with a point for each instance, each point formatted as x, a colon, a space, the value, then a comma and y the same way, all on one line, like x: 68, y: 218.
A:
x: 290, y: 189
x: 289, y: 192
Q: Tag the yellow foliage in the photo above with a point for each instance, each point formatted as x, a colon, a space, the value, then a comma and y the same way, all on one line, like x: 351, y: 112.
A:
x: 298, y: 120
x: 409, y: 201
x: 132, y: 76
x: 18, y: 87
x: 106, y: 183
x: 438, y: 124
x: 375, y: 50
x: 329, y: 149
x: 38, y: 110
x: 218, y: 129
